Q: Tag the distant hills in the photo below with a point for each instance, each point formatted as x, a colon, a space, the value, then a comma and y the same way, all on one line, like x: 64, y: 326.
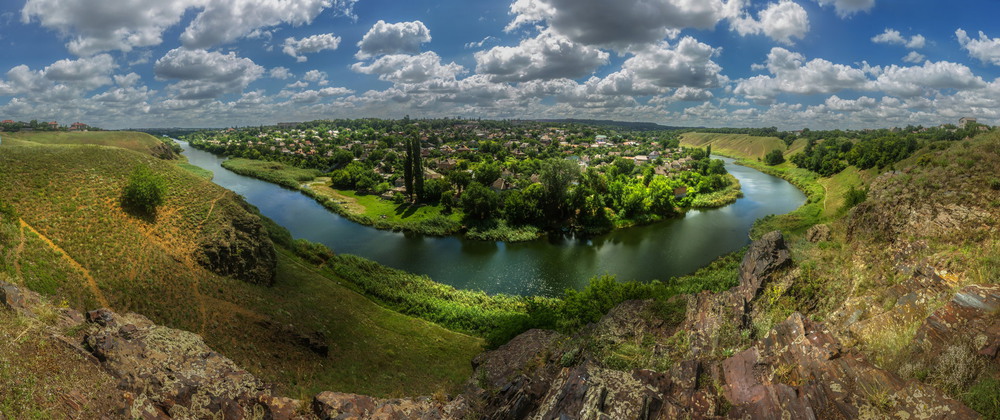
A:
x: 635, y: 126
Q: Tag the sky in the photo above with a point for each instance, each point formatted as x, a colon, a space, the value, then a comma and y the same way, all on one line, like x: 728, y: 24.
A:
x: 792, y: 64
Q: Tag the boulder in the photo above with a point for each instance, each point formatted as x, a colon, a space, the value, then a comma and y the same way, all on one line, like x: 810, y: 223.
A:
x: 818, y: 233
x: 17, y: 299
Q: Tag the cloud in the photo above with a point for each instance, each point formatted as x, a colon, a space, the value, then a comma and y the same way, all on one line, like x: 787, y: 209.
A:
x: 489, y: 39
x: 656, y: 70
x: 312, y: 44
x: 393, y: 38
x: 790, y: 75
x: 410, y: 69
x: 846, y: 8
x: 893, y: 37
x: 224, y: 21
x: 94, y: 26
x: 914, y: 57
x: 914, y: 81
x: 313, y: 96
x: 984, y: 49
x: 315, y: 76
x: 60, y: 80
x: 618, y: 24
x: 87, y: 73
x: 280, y: 73
x: 204, y: 75
x: 779, y: 21
x: 547, y: 56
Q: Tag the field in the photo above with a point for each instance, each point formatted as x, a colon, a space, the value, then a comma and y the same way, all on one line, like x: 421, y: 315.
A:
x: 74, y: 243
x: 733, y: 145
x: 131, y: 140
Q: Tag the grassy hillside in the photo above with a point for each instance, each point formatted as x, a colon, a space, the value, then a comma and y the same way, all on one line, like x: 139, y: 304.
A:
x: 73, y: 241
x: 139, y: 142
x: 733, y: 145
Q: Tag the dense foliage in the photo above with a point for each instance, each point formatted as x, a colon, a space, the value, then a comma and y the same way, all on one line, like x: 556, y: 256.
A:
x: 144, y: 192
x: 774, y: 157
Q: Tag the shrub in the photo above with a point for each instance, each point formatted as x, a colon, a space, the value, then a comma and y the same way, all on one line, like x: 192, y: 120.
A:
x: 774, y: 157
x: 854, y: 196
x: 144, y: 192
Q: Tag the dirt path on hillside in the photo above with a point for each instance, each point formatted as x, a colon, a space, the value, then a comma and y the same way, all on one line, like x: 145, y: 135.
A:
x: 189, y: 261
x: 86, y: 273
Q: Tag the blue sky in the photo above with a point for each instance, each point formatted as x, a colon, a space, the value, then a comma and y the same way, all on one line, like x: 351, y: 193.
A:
x: 718, y: 63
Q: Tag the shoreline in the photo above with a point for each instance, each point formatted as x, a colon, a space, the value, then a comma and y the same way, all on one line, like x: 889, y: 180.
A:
x: 495, y: 231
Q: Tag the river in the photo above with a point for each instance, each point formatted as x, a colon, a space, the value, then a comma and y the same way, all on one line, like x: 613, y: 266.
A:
x: 542, y: 267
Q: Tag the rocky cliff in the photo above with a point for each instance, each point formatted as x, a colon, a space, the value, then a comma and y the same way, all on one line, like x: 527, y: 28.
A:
x: 240, y: 247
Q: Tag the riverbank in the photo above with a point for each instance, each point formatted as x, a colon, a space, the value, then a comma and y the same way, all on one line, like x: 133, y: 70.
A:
x: 435, y: 220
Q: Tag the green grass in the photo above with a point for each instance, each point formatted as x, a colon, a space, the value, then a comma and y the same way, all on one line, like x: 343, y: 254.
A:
x: 275, y: 172
x: 140, y: 142
x: 374, y: 211
x: 733, y: 145
x: 71, y: 195
x: 197, y: 170
x: 38, y: 375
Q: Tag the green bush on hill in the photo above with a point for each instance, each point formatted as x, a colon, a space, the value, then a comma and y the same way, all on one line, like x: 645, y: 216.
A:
x: 144, y: 192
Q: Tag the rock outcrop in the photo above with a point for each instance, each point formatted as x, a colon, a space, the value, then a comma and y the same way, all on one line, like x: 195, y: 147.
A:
x: 338, y: 405
x: 800, y: 371
x: 173, y: 373
x: 765, y: 256
x: 818, y: 233
x: 240, y: 246
x: 970, y: 317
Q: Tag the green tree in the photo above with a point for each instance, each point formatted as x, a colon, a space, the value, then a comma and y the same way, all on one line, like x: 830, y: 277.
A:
x: 460, y: 179
x: 774, y: 157
x: 487, y: 173
x: 556, y: 176
x: 479, y: 202
x: 408, y: 170
x: 144, y: 192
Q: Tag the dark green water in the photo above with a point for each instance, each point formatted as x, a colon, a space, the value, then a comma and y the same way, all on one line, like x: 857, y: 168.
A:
x: 542, y: 267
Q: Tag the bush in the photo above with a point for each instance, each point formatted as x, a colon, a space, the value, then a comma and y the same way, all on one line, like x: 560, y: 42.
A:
x: 144, y: 192
x: 774, y: 157
x: 854, y: 196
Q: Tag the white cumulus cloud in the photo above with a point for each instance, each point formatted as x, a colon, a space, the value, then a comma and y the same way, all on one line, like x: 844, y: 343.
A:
x: 393, y: 38
x: 410, y: 69
x: 204, y: 75
x: 621, y: 23
x: 779, y: 21
x: 312, y: 44
x: 547, y: 56
x: 894, y: 37
x: 846, y: 8
x: 984, y: 48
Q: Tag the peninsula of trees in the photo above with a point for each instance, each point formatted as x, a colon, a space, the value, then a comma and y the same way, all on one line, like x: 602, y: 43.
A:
x: 496, y: 180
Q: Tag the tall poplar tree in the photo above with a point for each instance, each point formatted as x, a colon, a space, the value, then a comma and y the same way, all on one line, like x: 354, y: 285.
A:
x: 408, y: 170
x: 418, y: 170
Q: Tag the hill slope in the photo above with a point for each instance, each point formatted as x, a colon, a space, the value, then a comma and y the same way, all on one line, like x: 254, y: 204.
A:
x: 72, y: 241
x: 131, y: 140
x: 733, y: 145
